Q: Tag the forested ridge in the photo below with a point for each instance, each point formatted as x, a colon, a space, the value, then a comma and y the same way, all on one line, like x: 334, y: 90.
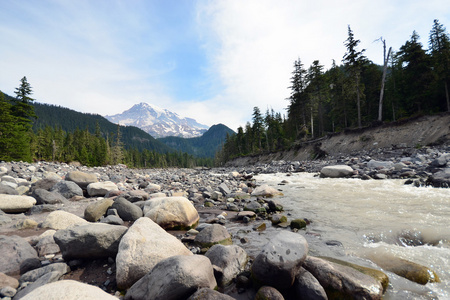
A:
x: 355, y: 94
x: 203, y: 146
x: 34, y: 131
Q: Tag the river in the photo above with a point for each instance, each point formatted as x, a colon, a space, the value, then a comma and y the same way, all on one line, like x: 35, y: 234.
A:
x: 353, y: 220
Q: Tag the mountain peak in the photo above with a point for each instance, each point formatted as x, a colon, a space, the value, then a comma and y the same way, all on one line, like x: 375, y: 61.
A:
x: 158, y: 122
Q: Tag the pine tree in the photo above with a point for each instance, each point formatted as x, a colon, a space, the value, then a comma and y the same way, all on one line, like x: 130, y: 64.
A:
x: 23, y: 108
x: 353, y: 60
x: 440, y: 51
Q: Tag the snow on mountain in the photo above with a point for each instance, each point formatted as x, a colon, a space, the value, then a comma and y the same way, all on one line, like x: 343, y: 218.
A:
x: 158, y: 122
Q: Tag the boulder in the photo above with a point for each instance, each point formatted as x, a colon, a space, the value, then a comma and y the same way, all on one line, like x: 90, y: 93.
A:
x: 230, y: 260
x: 336, y: 171
x: 67, y: 188
x: 45, y: 184
x: 127, y: 211
x: 82, y: 179
x: 68, y: 290
x: 6, y: 189
x: 176, y: 277
x: 6, y: 280
x: 17, y: 256
x: 266, y: 191
x: 96, y: 210
x: 41, y: 281
x: 137, y: 195
x: 45, y: 197
x: 89, y: 241
x: 343, y: 282
x: 209, y: 294
x: 60, y: 219
x: 224, y: 189
x: 16, y: 203
x: 33, y: 275
x: 268, y: 292
x: 406, y: 269
x: 101, y: 188
x: 280, y: 260
x: 152, y: 188
x: 141, y: 248
x: 46, y: 244
x: 440, y: 179
x: 306, y: 286
x: 212, y: 235
x: 172, y: 212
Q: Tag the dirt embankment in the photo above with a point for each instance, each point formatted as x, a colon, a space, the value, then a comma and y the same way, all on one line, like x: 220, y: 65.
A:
x: 417, y: 132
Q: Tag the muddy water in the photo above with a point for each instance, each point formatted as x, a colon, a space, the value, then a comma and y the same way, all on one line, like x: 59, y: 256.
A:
x: 354, y: 219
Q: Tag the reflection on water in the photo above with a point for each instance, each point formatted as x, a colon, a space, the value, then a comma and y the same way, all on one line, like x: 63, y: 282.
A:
x: 374, y: 218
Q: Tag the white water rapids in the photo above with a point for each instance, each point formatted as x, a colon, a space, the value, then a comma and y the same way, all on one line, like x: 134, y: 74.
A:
x: 375, y: 217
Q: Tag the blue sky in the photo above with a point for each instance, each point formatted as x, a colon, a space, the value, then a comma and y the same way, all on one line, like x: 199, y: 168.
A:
x: 209, y: 60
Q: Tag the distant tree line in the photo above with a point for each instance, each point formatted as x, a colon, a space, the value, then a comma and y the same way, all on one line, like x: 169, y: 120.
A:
x: 350, y: 95
x: 19, y: 142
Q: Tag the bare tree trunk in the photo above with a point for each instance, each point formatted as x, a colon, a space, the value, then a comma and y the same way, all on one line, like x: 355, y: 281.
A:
x: 380, y: 106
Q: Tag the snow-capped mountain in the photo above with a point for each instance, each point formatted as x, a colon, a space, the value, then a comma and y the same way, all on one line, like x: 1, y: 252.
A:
x: 158, y: 122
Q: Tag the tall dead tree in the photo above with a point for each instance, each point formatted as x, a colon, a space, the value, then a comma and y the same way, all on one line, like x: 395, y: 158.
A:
x: 383, y: 79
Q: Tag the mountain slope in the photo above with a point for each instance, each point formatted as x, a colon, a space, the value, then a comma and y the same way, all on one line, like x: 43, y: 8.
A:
x: 69, y: 120
x: 203, y: 146
x: 158, y: 122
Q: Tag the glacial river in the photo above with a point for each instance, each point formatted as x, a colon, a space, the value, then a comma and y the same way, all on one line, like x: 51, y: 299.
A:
x: 354, y: 220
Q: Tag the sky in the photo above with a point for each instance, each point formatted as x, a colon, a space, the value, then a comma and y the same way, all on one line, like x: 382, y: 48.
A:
x: 208, y: 60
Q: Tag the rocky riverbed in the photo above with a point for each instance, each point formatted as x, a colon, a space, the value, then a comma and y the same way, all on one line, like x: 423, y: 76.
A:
x: 112, y: 232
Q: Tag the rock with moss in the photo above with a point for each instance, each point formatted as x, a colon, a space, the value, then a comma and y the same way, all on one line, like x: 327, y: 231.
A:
x: 343, y: 282
x: 407, y: 269
x: 212, y: 235
x: 298, y: 224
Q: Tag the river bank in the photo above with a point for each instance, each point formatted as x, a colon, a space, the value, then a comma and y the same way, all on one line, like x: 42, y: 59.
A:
x: 226, y: 196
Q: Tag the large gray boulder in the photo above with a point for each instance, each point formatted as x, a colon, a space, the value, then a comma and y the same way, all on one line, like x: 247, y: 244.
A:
x: 101, y: 188
x: 229, y: 260
x: 127, y: 211
x: 16, y: 203
x: 280, y: 260
x: 89, y: 241
x: 68, y: 189
x: 60, y: 219
x: 17, y: 256
x: 82, y: 179
x: 336, y: 171
x: 143, y: 246
x: 176, y: 277
x: 45, y: 197
x: 96, y: 210
x: 306, y: 286
x: 212, y: 235
x: 68, y: 290
x: 343, y: 281
x: 172, y: 212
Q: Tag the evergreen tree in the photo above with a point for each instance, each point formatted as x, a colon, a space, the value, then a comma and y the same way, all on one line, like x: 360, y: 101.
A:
x: 353, y: 60
x: 23, y: 108
x: 9, y: 130
x: 257, y: 127
x: 415, y: 76
x: 440, y: 51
